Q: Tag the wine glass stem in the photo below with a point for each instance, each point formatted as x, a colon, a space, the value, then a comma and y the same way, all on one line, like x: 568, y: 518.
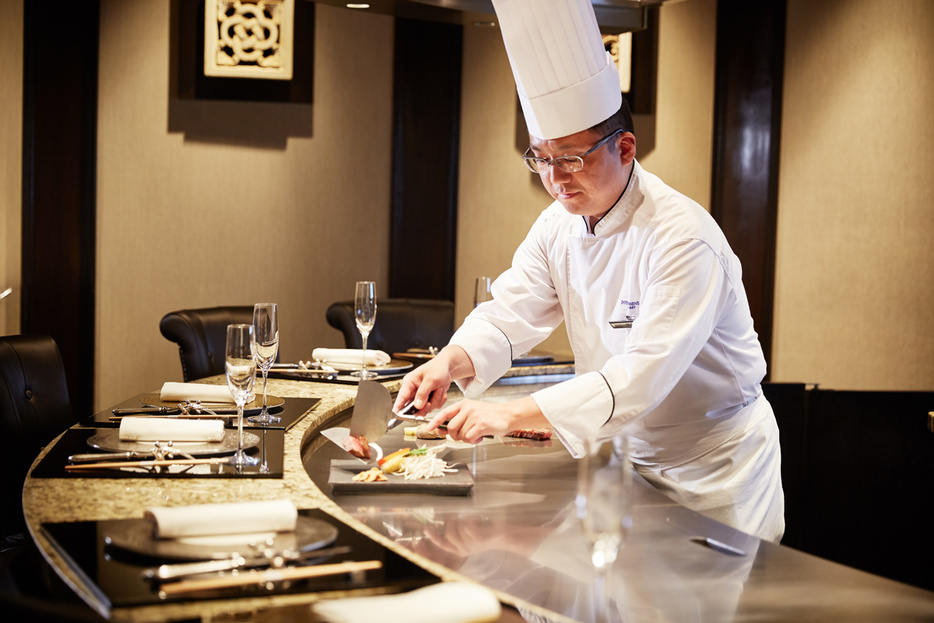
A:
x: 365, y: 336
x: 239, y: 432
x: 265, y: 373
x: 603, y: 600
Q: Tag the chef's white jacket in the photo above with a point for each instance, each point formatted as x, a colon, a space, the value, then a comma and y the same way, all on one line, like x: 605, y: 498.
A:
x: 664, y: 347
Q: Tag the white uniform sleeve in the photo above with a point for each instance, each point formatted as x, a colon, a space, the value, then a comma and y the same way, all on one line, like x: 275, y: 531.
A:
x: 524, y: 311
x: 687, y: 291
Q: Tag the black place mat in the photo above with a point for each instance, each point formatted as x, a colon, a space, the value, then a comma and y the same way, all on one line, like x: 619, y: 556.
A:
x: 289, y: 413
x: 340, y: 379
x: 74, y: 441
x: 116, y: 575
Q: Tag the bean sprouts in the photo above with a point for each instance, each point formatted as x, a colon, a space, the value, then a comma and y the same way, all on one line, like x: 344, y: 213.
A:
x: 426, y: 465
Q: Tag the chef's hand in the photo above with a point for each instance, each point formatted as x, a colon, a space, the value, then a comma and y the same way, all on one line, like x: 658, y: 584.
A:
x: 472, y: 420
x: 428, y: 384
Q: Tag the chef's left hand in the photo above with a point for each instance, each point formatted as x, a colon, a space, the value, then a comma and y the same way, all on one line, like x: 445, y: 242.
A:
x: 472, y: 420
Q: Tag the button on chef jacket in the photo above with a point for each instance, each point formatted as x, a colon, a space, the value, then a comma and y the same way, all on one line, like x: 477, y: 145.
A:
x: 678, y: 379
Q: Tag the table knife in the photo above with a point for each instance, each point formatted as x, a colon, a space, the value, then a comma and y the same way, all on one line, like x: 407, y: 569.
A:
x: 177, y: 571
x: 147, y: 410
x: 108, y: 456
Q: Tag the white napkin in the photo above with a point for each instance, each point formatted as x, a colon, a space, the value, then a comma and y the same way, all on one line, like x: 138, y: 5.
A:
x: 447, y: 602
x: 350, y: 356
x: 215, y: 519
x: 163, y: 429
x: 180, y: 392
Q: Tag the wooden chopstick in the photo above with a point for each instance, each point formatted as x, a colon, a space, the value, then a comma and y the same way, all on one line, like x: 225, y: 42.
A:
x: 267, y: 575
x: 112, y: 464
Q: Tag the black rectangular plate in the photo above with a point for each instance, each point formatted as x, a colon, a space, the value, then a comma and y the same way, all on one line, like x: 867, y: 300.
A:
x: 116, y: 575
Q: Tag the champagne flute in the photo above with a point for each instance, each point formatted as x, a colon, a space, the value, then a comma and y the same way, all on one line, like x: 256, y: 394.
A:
x: 365, y: 315
x: 265, y: 348
x: 241, y: 375
x: 482, y: 291
x: 604, y: 507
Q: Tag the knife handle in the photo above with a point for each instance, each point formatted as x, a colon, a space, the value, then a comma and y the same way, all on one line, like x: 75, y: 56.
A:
x: 107, y: 456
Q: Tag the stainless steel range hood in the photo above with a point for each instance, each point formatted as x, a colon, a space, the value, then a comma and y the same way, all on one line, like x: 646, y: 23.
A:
x: 614, y: 16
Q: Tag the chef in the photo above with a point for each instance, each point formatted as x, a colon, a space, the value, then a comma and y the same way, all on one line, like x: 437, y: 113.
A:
x: 648, y: 288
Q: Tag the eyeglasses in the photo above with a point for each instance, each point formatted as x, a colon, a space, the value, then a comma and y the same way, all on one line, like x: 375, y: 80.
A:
x: 567, y: 164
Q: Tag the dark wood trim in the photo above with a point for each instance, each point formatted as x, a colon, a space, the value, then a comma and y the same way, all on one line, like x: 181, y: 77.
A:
x: 425, y: 148
x: 747, y: 127
x: 60, y: 65
x: 186, y: 61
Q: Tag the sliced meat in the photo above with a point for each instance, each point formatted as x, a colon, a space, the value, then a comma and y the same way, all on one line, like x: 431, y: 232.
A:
x: 519, y: 442
x: 538, y: 434
x: 422, y: 432
x: 358, y: 446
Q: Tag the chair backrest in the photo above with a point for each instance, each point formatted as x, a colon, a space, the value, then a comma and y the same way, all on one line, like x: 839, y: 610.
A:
x: 34, y: 409
x: 400, y: 324
x: 201, y: 335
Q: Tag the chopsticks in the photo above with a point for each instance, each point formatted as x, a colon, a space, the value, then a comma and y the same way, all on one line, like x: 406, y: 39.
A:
x: 265, y: 576
x: 163, y: 463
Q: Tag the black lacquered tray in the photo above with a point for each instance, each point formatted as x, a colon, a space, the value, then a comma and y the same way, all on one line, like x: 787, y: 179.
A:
x: 75, y: 441
x: 289, y: 411
x: 116, y: 576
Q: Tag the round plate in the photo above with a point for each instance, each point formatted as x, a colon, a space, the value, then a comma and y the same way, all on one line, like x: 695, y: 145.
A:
x: 393, y: 367
x: 251, y: 408
x: 109, y: 441
x: 136, y: 535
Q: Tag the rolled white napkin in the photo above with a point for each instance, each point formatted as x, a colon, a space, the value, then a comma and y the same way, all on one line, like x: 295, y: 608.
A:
x: 350, y: 356
x: 180, y: 392
x: 162, y: 429
x: 448, y: 602
x: 217, y: 519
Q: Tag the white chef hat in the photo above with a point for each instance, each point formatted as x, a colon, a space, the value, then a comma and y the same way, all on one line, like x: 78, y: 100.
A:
x: 566, y: 80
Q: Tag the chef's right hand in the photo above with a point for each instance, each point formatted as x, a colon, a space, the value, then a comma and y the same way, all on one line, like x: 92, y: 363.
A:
x: 428, y: 384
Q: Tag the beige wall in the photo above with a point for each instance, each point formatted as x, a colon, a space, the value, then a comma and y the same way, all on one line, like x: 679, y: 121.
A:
x: 11, y: 150
x: 181, y: 187
x: 499, y: 199
x: 225, y: 203
x: 682, y: 147
x: 855, y: 271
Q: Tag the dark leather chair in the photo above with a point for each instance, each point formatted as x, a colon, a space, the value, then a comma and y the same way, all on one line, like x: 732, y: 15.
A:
x: 400, y: 324
x: 201, y: 335
x: 34, y: 409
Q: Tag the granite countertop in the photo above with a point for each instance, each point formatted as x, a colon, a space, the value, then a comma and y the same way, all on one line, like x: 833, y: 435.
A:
x: 85, y: 499
x: 94, y: 499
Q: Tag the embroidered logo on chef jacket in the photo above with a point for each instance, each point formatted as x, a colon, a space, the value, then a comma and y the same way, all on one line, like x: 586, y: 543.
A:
x: 627, y: 312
